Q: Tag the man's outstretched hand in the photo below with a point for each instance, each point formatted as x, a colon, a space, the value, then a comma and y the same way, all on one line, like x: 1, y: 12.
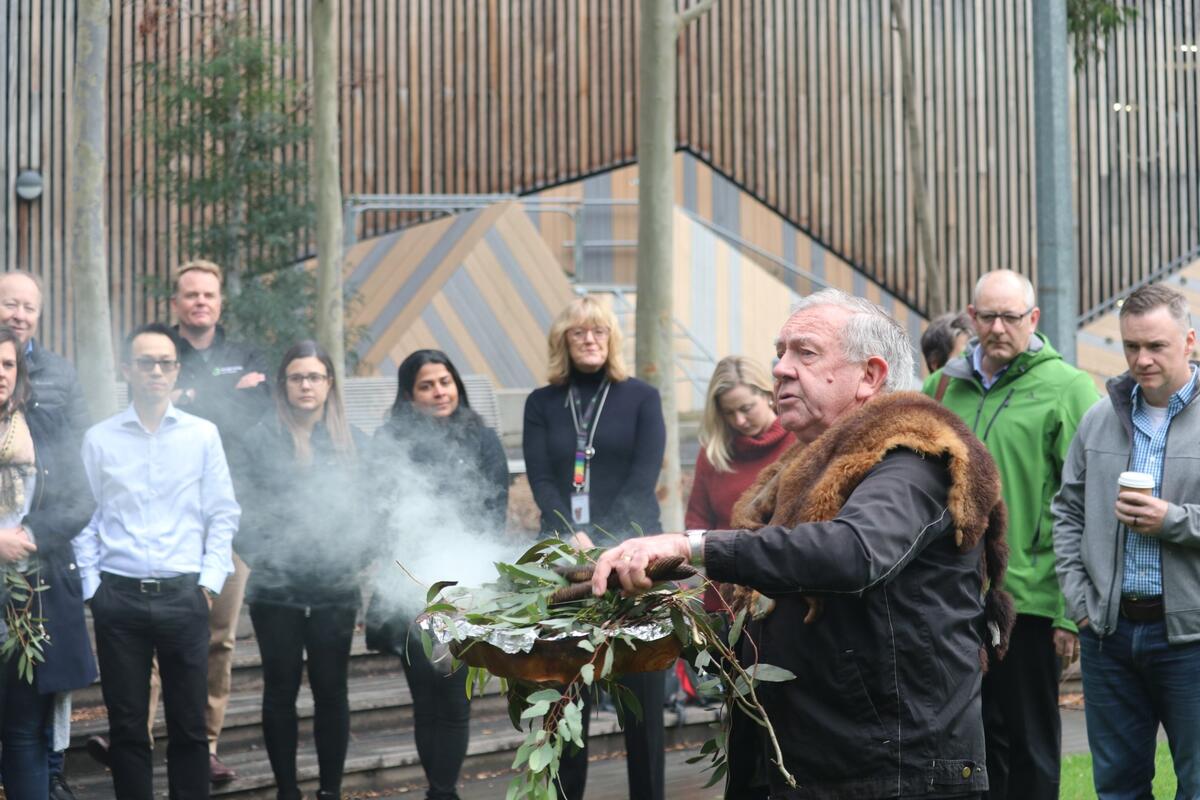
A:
x: 630, y: 559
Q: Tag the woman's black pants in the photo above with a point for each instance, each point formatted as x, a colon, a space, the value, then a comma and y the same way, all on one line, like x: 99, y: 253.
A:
x: 284, y: 635
x: 645, y: 761
x: 441, y: 718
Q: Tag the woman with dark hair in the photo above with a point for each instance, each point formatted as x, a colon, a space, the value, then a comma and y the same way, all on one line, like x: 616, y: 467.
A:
x: 433, y: 428
x: 299, y: 479
x: 44, y: 504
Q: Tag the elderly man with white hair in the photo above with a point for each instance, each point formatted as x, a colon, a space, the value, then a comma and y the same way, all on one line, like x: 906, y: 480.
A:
x: 865, y: 555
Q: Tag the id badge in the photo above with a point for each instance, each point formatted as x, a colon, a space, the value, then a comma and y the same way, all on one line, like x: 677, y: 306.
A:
x: 580, y: 513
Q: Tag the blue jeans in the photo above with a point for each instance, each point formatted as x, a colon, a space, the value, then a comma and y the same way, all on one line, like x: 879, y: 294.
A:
x: 23, y: 737
x: 1133, y: 680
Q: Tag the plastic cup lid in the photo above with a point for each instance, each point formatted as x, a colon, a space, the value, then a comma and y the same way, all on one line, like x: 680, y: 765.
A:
x: 1136, y: 480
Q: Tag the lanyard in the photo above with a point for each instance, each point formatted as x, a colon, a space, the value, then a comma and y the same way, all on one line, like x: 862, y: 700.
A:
x: 585, y: 432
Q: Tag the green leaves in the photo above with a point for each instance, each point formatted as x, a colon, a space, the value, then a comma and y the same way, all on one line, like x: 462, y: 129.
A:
x: 26, y: 626
x: 591, y: 631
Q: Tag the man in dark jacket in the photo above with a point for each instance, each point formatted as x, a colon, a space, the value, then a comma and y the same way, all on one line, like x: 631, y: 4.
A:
x: 868, y: 543
x: 53, y: 379
x: 56, y: 389
x: 223, y: 381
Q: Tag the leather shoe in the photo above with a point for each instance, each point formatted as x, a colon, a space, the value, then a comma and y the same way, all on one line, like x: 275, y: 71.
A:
x: 59, y: 790
x: 97, y: 748
x: 218, y: 772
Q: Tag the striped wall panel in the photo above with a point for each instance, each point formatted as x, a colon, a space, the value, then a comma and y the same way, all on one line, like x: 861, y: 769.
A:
x: 481, y: 286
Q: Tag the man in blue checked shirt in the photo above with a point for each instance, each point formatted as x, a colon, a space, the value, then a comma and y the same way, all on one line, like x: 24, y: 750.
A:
x: 156, y: 553
x: 1129, y: 563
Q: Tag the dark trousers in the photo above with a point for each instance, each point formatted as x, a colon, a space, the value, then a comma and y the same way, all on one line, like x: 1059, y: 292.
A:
x: 284, y: 635
x: 131, y: 628
x: 22, y: 735
x: 441, y: 718
x: 1021, y: 725
x: 645, y: 760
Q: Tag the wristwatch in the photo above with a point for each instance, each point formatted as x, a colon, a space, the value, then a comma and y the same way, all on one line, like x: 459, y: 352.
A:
x: 695, y: 547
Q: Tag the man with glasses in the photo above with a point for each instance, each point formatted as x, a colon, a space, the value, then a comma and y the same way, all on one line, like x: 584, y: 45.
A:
x: 156, y: 553
x: 223, y: 381
x: 1020, y: 397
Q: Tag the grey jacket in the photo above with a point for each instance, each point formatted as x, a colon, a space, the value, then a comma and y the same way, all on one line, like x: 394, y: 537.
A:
x: 1089, y: 543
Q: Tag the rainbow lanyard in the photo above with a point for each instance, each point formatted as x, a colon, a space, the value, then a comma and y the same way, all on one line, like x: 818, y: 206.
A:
x: 585, y: 432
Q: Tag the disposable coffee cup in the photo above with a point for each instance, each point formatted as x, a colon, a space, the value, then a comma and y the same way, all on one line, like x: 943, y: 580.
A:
x: 1138, y: 482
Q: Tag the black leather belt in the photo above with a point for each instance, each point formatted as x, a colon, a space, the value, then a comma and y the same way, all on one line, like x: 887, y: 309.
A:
x: 151, y: 585
x: 1142, y: 609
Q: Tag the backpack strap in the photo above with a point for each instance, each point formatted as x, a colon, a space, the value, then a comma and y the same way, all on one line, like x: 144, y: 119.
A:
x: 943, y: 382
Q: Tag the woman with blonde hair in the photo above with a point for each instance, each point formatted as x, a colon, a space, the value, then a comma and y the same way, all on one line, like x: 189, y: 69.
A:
x: 739, y: 436
x: 593, y: 443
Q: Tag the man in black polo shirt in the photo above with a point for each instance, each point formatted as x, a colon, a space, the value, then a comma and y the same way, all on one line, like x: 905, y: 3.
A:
x: 223, y: 381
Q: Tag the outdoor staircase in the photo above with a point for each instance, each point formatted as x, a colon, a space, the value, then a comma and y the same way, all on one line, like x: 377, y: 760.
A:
x: 382, y: 756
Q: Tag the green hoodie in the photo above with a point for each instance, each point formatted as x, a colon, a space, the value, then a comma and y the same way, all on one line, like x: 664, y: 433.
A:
x: 1026, y: 420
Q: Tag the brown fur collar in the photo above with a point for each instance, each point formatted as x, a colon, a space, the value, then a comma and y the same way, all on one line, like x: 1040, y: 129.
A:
x: 811, y: 483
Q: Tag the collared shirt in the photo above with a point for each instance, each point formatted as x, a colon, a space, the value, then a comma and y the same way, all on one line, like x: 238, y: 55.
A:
x: 1143, y: 555
x: 977, y: 364
x: 164, y: 501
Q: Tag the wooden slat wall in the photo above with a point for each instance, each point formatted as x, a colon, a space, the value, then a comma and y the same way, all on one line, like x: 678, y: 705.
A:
x: 797, y: 101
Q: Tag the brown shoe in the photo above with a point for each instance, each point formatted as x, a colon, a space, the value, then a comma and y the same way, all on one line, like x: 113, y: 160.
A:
x: 218, y: 772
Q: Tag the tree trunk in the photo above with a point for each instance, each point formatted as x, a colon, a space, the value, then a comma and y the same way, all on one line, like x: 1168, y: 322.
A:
x: 235, y: 145
x: 330, y: 294
x: 89, y: 270
x: 935, y: 281
x: 656, y: 246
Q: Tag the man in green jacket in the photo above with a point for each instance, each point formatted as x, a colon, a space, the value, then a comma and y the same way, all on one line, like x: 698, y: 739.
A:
x: 1024, y: 402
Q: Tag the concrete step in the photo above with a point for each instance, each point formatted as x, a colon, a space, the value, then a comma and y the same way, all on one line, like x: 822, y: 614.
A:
x: 387, y: 759
x: 247, y: 669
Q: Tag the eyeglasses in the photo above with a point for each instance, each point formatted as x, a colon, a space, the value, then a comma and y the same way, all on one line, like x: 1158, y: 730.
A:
x: 987, y: 318
x: 146, y: 364
x: 599, y: 333
x: 298, y: 379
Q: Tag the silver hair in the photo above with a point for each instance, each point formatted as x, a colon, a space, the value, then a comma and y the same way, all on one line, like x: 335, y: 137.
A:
x: 869, y: 332
x: 1026, y: 285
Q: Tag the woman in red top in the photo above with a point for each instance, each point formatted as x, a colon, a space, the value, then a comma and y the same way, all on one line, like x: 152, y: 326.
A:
x: 739, y: 435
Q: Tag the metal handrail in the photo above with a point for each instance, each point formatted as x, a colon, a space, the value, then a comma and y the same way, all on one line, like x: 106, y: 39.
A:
x: 1115, y: 302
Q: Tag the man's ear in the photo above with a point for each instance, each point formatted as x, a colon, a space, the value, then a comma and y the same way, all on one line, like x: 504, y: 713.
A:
x: 875, y: 373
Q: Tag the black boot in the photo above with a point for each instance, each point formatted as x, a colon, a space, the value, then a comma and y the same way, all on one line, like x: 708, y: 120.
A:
x: 325, y: 794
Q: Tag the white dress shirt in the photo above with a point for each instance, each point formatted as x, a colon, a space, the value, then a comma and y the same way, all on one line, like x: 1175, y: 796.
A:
x: 164, y: 501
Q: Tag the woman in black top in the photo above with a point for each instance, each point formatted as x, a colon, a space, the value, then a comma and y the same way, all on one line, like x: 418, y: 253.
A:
x: 433, y: 428
x: 44, y: 504
x: 300, y: 482
x: 594, y: 441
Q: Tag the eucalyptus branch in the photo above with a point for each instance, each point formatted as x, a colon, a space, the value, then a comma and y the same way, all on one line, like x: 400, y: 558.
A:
x: 26, y: 629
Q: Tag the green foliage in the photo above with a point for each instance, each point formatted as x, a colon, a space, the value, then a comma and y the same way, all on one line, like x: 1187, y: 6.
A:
x: 1091, y: 22
x: 23, y: 615
x: 232, y: 142
x: 519, y: 603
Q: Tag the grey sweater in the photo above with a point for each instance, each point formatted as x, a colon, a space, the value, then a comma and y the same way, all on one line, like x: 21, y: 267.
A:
x: 1089, y: 543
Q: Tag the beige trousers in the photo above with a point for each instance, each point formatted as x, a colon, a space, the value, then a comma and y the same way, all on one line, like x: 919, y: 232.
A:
x: 222, y: 623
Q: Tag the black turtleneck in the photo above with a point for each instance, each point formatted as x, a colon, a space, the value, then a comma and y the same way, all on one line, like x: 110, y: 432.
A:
x: 630, y: 440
